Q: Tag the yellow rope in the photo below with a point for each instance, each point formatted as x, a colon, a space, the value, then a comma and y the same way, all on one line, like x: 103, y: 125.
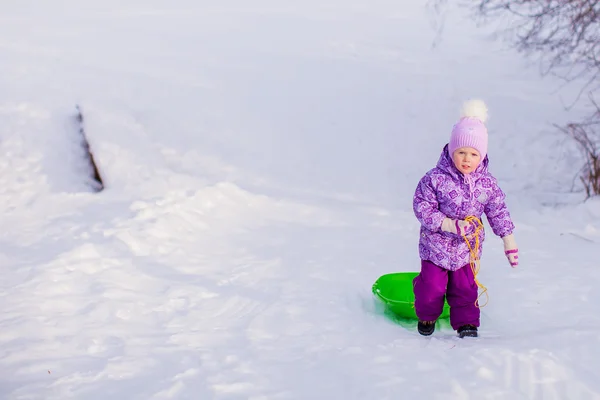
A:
x: 474, y: 258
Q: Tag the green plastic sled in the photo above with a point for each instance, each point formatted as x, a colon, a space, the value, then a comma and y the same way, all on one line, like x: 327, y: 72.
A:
x: 395, y: 290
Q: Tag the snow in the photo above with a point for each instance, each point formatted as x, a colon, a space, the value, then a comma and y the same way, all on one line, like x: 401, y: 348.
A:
x: 259, y: 164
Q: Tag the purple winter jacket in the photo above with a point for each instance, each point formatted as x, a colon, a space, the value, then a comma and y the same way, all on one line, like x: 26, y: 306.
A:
x: 445, y: 192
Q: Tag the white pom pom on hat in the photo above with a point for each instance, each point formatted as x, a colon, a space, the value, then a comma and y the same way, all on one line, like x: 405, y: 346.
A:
x: 474, y: 108
x: 470, y: 130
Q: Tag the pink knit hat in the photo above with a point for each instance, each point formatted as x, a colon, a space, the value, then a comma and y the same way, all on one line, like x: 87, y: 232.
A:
x: 470, y: 130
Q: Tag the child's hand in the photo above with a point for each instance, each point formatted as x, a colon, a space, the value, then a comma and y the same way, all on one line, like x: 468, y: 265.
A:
x: 457, y: 226
x: 511, y: 250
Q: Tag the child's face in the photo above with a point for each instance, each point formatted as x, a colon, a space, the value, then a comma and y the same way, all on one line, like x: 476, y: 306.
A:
x: 466, y: 159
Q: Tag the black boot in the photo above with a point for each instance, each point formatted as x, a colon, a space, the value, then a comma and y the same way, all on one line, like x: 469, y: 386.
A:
x: 426, y: 328
x: 467, y: 331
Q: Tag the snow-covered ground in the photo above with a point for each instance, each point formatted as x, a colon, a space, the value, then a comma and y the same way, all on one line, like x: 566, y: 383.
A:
x: 260, y: 162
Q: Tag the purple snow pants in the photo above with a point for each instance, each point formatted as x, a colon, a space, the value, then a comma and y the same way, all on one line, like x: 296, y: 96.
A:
x: 458, y: 287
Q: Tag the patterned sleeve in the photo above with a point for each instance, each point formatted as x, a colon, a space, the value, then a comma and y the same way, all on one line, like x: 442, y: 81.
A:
x: 497, y: 213
x: 426, y: 206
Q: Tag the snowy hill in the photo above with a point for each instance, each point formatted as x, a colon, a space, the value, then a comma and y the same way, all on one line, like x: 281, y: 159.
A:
x: 259, y: 164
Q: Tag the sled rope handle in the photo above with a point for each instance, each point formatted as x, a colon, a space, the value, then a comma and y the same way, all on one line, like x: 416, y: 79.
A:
x: 474, y: 258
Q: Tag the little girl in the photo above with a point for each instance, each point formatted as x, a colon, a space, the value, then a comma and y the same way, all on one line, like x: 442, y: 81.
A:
x: 458, y: 187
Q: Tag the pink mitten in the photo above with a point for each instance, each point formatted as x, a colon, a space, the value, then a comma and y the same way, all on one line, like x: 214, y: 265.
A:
x: 511, y: 250
x: 457, y: 226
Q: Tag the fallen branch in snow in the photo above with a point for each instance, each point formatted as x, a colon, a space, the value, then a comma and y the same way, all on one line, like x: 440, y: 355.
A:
x: 98, y: 184
x: 577, y: 235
